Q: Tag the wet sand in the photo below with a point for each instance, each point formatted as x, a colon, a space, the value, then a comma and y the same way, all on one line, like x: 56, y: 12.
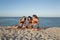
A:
x: 29, y: 34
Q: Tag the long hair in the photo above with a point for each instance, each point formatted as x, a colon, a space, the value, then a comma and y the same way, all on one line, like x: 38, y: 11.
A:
x: 24, y: 17
x: 35, y: 16
x: 30, y: 17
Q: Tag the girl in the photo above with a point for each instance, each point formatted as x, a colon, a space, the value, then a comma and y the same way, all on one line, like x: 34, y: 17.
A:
x: 29, y: 22
x: 22, y: 22
x: 35, y: 22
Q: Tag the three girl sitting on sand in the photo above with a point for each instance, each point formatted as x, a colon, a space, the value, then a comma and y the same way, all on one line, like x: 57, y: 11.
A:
x: 29, y: 22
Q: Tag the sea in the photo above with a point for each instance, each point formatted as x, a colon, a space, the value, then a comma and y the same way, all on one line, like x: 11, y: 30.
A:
x: 43, y: 21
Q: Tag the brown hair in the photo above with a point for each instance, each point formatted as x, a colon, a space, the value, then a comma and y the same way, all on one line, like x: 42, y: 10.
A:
x: 30, y: 21
x: 24, y: 17
x: 35, y: 16
x: 30, y: 17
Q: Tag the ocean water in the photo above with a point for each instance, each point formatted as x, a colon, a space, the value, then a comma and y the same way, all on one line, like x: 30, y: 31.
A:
x: 43, y: 21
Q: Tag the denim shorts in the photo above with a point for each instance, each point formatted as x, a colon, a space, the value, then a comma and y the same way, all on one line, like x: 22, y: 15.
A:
x: 35, y: 25
x: 20, y: 25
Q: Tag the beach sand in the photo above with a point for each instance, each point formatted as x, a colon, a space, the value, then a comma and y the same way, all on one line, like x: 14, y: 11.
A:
x: 29, y: 34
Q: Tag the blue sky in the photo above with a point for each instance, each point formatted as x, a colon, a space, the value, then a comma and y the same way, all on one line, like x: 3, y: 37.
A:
x: 17, y: 8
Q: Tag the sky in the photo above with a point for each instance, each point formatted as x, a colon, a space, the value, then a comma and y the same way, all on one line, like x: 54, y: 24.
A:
x: 18, y: 8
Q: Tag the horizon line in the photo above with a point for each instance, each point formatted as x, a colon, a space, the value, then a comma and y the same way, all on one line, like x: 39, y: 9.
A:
x: 14, y: 16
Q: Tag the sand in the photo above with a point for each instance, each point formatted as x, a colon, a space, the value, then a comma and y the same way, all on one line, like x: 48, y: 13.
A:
x: 29, y: 34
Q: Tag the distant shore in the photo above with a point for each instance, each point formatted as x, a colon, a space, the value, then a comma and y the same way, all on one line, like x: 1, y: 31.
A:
x: 52, y: 33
